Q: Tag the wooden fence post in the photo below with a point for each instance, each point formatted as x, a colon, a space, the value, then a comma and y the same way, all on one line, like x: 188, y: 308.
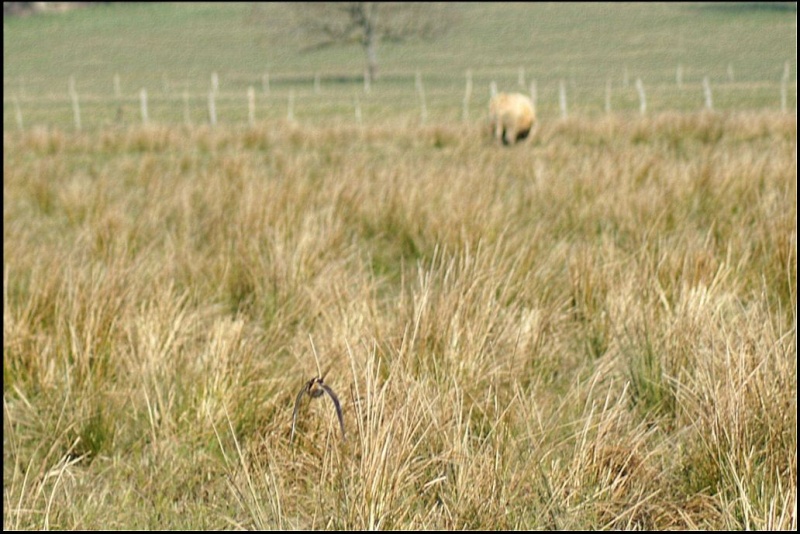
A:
x: 421, y: 93
x: 18, y: 113
x: 642, y: 100
x: 251, y: 106
x: 212, y: 108
x: 467, y: 96
x: 76, y: 109
x: 707, y: 93
x: 784, y: 84
x: 187, y: 118
x: 143, y: 104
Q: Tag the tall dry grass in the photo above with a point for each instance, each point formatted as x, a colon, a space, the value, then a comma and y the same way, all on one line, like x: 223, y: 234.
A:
x: 592, y: 330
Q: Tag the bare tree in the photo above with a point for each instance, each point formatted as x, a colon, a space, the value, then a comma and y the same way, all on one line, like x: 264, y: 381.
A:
x: 367, y: 23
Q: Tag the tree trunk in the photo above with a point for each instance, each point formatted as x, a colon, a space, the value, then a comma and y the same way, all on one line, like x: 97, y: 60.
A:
x: 371, y: 48
x: 372, y: 62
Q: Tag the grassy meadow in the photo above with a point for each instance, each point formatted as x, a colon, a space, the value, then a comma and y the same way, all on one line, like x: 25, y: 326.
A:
x: 594, y: 329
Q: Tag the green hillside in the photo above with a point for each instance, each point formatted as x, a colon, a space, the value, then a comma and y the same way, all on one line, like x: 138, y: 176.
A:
x: 172, y: 48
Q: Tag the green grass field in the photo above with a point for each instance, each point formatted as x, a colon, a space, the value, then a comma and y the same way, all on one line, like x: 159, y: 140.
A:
x: 170, y: 49
x: 594, y: 329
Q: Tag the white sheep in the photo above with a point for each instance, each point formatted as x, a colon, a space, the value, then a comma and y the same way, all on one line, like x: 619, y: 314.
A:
x: 511, y: 116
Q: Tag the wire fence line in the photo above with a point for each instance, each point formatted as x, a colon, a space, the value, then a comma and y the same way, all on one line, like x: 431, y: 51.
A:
x: 425, y: 97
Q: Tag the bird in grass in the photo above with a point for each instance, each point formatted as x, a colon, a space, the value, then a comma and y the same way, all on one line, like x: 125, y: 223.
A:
x: 315, y: 388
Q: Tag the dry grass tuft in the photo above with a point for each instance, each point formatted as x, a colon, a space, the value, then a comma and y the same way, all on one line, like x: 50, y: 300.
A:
x: 592, y: 330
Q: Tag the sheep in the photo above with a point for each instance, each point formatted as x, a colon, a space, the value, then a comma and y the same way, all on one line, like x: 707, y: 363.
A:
x: 511, y: 116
